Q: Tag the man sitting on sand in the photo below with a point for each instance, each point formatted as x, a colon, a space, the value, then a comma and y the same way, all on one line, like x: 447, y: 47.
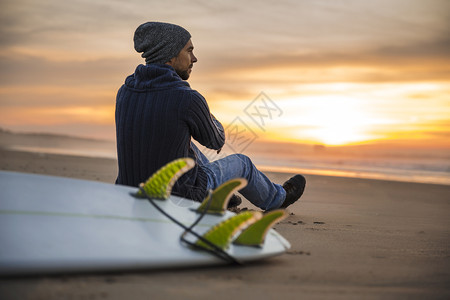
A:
x: 157, y: 114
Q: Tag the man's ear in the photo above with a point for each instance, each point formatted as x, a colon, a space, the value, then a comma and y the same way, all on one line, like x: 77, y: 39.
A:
x: 171, y: 61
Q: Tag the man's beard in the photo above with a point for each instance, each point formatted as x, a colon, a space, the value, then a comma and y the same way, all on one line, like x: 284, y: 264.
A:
x: 184, y: 74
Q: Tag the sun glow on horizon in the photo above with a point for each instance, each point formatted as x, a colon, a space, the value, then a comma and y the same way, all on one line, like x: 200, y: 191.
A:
x: 325, y: 119
x: 346, y: 114
x: 336, y: 120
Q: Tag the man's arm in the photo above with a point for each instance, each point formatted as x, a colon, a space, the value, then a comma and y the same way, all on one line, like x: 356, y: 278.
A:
x: 219, y: 125
x: 204, y: 127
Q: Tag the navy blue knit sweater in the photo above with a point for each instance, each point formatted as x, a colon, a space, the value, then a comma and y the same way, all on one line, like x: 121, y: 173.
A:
x: 157, y: 113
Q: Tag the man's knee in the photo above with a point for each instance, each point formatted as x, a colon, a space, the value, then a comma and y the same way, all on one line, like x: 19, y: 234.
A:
x: 245, y: 160
x: 242, y: 157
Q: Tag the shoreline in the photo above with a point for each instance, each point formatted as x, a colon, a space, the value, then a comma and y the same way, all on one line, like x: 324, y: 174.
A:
x: 361, y: 174
x: 383, y: 161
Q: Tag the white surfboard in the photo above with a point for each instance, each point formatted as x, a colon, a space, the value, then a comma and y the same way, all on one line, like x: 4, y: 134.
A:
x: 59, y: 225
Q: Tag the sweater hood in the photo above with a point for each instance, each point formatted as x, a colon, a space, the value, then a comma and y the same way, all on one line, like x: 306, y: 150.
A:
x: 155, y: 77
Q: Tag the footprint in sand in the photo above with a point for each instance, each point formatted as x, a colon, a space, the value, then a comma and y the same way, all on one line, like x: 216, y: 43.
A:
x: 296, y: 223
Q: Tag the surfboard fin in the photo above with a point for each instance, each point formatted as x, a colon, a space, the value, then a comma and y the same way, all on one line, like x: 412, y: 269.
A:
x: 255, y: 234
x: 222, y: 233
x: 221, y: 196
x: 159, y: 185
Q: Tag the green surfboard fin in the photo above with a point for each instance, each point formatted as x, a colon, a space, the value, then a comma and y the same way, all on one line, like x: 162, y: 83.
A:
x: 222, y: 233
x: 159, y: 185
x: 221, y: 196
x: 255, y: 234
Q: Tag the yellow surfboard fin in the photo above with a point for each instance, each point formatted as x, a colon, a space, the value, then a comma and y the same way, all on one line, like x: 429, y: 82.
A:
x: 222, y: 233
x: 221, y: 196
x: 255, y: 234
x: 159, y: 185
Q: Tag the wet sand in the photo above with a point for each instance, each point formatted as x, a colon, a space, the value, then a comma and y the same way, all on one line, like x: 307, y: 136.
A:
x: 351, y: 239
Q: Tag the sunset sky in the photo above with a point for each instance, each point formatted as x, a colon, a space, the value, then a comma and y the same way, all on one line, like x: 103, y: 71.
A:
x: 334, y: 72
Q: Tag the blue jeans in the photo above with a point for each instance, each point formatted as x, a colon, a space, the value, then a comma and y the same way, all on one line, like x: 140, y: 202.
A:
x: 259, y: 190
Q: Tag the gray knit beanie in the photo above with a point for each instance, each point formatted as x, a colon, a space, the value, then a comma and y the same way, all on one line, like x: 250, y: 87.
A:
x: 160, y: 42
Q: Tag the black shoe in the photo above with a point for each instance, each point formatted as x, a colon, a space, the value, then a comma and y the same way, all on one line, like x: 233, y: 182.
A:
x: 235, y: 201
x: 294, y: 188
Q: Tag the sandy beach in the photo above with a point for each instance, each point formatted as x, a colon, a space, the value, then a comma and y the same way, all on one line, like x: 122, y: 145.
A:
x: 351, y: 239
